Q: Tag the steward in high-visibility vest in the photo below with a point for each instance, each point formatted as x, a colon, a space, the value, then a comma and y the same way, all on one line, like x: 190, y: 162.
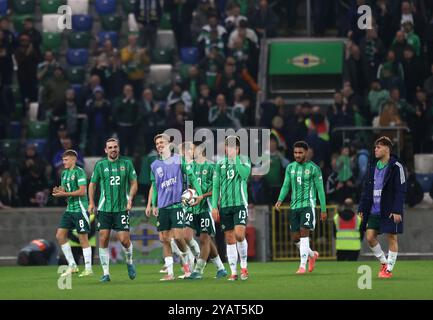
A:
x: 348, y: 235
x: 74, y: 241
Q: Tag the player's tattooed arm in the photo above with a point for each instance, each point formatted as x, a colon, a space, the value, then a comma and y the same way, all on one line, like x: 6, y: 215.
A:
x: 318, y: 181
x: 243, y: 167
x: 284, y: 189
x: 216, y: 186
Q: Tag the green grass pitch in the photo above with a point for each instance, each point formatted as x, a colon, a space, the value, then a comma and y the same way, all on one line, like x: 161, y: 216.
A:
x: 273, y: 280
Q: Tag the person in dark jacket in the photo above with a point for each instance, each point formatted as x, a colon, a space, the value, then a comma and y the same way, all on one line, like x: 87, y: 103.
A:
x: 148, y: 14
x: 181, y: 12
x: 381, y: 205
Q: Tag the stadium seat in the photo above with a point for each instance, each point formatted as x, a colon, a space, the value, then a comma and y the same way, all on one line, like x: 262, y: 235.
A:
x: 10, y: 148
x: 128, y: 6
x: 160, y: 73
x: 76, y: 75
x: 77, y: 57
x: 33, y: 111
x: 18, y: 113
x: 82, y: 22
x: 104, y: 7
x: 24, y: 6
x: 16, y: 92
x: 3, y: 7
x: 40, y: 144
x: 78, y: 40
x: 165, y: 23
x: 162, y: 56
x: 111, y: 23
x: 183, y: 71
x: 161, y: 91
x: 110, y: 35
x: 165, y: 39
x: 425, y: 180
x: 50, y: 23
x: 51, y: 41
x: 37, y: 130
x: 79, y: 6
x: 51, y: 6
x: 189, y: 55
x: 18, y: 21
x: 15, y: 129
x: 89, y: 164
x: 78, y: 87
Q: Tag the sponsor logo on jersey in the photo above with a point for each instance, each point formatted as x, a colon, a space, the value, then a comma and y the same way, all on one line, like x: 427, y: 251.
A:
x: 160, y: 172
x: 292, y: 172
x: 114, y: 169
x: 106, y: 170
x: 377, y: 193
x: 223, y: 166
x: 168, y: 182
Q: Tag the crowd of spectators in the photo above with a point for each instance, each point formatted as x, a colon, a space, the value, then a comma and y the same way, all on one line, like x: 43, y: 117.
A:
x: 388, y: 80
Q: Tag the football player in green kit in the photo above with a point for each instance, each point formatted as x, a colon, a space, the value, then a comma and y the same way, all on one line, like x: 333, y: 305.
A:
x: 230, y: 190
x: 204, y: 224
x: 305, y: 179
x: 73, y: 187
x: 118, y: 182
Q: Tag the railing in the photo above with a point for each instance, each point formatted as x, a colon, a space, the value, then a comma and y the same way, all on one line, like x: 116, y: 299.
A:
x: 374, y: 130
x: 322, y: 239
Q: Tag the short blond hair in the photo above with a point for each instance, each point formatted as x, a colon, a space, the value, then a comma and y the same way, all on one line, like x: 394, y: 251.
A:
x: 163, y: 136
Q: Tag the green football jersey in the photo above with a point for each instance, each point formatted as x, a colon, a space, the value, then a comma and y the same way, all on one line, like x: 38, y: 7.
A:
x: 230, y: 182
x: 114, y: 178
x: 305, y: 179
x: 71, y: 181
x: 186, y: 185
x: 204, y: 173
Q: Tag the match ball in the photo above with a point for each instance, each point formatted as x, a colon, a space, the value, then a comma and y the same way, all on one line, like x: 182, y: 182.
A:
x: 188, y: 197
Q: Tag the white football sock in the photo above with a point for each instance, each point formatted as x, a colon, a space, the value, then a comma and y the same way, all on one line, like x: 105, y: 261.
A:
x: 184, y: 257
x: 87, y: 254
x: 199, y: 267
x: 105, y: 260
x: 298, y: 245
x: 195, y: 248
x: 191, y: 257
x: 175, y: 248
x: 128, y: 254
x: 169, y: 264
x: 218, y: 263
x: 243, y: 252
x: 304, y: 251
x: 392, y: 258
x: 378, y: 253
x: 67, y: 251
x: 232, y: 256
